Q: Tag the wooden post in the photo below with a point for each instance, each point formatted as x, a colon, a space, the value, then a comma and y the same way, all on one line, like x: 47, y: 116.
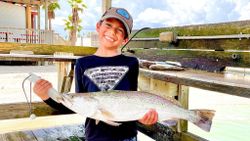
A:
x: 65, y: 73
x: 46, y: 15
x: 28, y: 16
x: 38, y: 18
x: 158, y: 87
x: 163, y: 88
x: 183, y: 91
x: 143, y: 83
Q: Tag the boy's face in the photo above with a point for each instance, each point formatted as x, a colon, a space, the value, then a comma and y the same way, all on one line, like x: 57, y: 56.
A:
x: 111, y: 33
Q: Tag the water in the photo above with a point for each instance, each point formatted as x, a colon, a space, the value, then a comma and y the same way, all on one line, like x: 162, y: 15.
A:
x: 232, y: 117
x: 11, y: 78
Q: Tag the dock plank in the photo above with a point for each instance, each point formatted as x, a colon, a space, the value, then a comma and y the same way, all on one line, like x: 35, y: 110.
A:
x: 18, y: 136
x: 60, y: 133
x: 219, y: 82
x: 47, y: 128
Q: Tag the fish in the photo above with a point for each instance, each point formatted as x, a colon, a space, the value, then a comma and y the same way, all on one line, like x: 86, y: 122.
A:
x: 156, y: 65
x: 114, y: 107
x: 146, y: 63
x: 165, y: 67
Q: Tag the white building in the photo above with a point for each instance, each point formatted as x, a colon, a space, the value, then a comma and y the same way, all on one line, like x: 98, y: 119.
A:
x: 20, y: 22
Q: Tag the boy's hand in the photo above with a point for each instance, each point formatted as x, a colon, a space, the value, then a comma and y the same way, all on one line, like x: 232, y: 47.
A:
x: 151, y: 117
x: 41, y: 88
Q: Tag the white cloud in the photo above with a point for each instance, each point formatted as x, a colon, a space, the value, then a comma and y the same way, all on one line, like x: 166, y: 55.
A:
x: 243, y: 8
x: 162, y: 13
x: 153, y: 16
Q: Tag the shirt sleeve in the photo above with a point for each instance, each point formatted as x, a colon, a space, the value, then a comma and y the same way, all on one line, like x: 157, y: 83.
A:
x: 58, y: 106
x: 134, y: 75
x: 79, y: 86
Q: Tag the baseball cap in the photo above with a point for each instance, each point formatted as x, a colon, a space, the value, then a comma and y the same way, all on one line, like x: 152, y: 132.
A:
x: 120, y: 14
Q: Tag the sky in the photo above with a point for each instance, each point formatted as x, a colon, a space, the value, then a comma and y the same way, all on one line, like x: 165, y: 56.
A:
x: 159, y: 13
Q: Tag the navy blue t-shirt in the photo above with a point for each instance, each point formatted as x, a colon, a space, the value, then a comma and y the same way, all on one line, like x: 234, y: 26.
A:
x: 94, y: 73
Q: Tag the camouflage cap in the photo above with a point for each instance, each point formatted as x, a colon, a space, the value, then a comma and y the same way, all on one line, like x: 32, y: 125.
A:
x: 122, y: 15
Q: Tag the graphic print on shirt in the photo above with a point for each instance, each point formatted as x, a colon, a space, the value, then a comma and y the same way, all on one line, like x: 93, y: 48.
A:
x: 106, y: 77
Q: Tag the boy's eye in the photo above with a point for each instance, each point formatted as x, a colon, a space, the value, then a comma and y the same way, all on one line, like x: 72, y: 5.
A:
x: 108, y: 25
x: 120, y: 30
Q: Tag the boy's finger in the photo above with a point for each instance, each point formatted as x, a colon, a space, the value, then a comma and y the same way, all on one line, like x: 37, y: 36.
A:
x: 150, y: 118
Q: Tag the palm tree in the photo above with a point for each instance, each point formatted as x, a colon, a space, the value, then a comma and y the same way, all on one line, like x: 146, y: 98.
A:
x: 72, y: 24
x: 51, y: 14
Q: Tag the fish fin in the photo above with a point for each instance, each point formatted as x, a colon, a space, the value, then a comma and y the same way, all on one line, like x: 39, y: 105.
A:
x: 97, y: 121
x: 108, y: 122
x: 106, y: 114
x: 112, y: 123
x: 204, y: 120
x: 170, y: 122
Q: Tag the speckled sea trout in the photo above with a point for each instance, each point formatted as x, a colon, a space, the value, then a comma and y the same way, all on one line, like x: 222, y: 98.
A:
x: 113, y: 107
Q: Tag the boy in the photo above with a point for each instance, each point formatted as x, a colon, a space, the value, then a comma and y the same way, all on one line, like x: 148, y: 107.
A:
x: 107, y: 69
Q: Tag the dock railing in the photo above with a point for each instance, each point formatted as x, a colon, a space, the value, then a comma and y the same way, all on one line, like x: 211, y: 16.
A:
x: 32, y: 36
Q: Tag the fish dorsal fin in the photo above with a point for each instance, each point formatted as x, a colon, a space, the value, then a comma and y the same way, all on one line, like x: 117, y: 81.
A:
x: 173, y: 100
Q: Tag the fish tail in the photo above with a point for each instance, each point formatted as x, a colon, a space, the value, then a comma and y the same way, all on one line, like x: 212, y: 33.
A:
x: 204, y: 120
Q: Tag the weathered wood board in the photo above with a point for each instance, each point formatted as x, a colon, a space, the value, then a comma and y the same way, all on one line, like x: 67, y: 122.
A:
x: 227, y: 28
x: 20, y: 110
x: 45, y: 49
x: 197, y: 59
x: 204, y: 80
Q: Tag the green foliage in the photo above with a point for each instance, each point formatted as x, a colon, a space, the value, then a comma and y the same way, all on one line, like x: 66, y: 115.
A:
x: 73, y: 22
x: 52, y: 6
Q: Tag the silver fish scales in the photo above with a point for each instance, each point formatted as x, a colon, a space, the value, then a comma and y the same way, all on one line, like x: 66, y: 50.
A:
x: 115, y: 106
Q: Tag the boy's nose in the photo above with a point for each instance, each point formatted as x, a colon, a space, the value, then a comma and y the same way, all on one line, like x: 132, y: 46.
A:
x: 112, y: 32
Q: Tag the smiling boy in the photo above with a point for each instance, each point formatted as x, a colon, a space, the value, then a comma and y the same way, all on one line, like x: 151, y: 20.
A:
x: 107, y: 69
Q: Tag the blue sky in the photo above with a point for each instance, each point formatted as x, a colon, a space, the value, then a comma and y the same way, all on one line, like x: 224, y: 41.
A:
x: 160, y: 13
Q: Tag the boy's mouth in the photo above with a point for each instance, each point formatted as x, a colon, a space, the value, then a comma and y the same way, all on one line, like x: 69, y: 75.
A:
x: 109, y: 38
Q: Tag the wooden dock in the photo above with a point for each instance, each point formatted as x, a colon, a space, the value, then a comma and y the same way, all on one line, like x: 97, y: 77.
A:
x: 59, y: 127
x: 47, y: 128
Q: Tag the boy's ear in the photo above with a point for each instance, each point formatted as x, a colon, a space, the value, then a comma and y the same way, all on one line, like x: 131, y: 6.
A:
x: 125, y: 41
x: 98, y: 24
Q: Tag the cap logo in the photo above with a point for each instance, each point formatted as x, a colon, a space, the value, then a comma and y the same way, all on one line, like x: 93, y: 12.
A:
x: 123, y: 13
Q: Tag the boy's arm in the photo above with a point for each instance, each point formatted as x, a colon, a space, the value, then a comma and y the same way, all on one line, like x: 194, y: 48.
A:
x: 79, y: 86
x: 41, y: 88
x: 58, y: 106
x: 134, y: 76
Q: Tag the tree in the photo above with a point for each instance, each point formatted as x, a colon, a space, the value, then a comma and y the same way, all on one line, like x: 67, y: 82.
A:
x: 72, y: 24
x: 51, y: 12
